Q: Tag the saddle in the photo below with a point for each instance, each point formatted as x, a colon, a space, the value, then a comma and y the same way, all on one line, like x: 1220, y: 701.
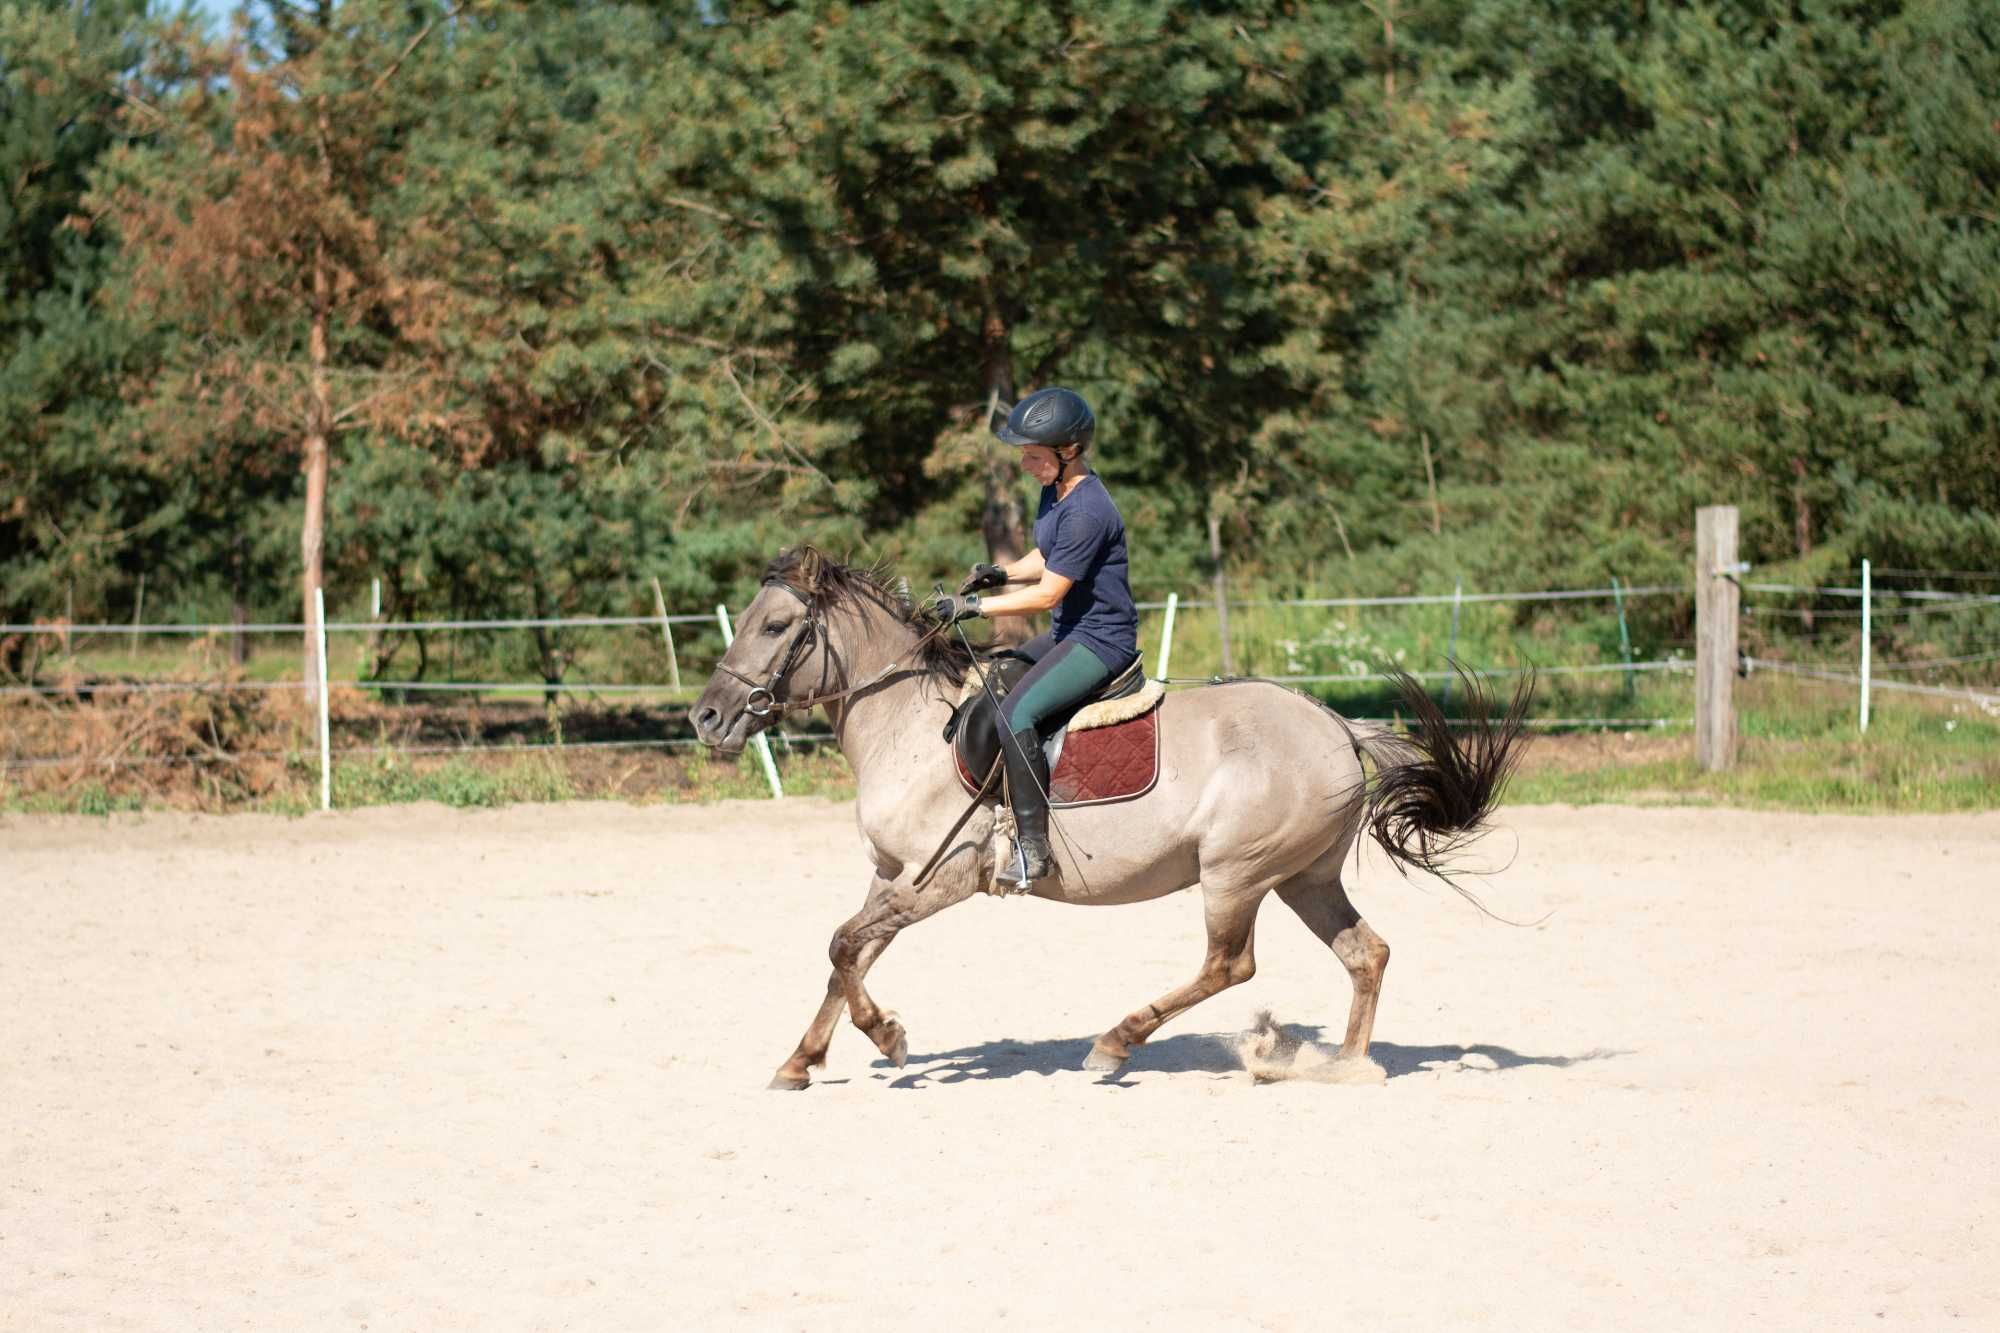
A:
x: 1106, y: 748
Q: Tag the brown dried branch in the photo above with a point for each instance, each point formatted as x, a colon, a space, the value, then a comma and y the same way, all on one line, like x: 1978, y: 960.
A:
x: 415, y: 42
x: 709, y: 210
x: 770, y: 426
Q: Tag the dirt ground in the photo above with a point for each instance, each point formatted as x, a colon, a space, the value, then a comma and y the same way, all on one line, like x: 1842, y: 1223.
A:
x: 409, y: 1068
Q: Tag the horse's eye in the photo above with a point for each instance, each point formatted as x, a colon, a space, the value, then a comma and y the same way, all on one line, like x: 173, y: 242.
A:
x: 774, y: 629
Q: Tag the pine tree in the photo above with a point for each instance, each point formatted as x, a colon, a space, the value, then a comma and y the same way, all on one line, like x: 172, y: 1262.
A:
x: 72, y: 506
x: 248, y: 217
x: 954, y: 201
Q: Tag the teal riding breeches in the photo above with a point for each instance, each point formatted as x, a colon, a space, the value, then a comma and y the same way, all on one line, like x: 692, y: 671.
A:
x: 1063, y: 676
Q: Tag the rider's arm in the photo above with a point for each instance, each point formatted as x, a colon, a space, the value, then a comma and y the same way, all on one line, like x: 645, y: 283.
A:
x: 1025, y: 570
x: 1043, y: 596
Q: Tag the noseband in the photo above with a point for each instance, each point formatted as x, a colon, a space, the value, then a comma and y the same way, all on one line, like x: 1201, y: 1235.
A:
x: 769, y: 703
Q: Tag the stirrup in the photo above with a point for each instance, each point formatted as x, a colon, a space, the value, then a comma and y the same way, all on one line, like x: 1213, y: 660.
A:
x: 1024, y: 874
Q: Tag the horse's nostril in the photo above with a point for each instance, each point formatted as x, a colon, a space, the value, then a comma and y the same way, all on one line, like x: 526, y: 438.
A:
x: 706, y: 718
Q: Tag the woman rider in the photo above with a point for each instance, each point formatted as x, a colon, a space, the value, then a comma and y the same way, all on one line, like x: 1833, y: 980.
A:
x: 1078, y: 568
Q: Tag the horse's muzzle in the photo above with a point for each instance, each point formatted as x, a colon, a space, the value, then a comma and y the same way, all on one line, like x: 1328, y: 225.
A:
x: 710, y: 729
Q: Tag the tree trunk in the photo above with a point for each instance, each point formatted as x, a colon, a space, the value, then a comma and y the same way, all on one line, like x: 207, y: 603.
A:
x: 319, y: 411
x: 319, y: 430
x: 1431, y: 480
x: 549, y: 651
x: 1340, y: 528
x: 1001, y: 520
x: 1387, y: 13
x: 239, y: 604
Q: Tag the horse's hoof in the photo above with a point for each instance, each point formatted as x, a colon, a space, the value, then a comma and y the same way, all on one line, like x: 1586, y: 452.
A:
x: 789, y: 1083
x: 1101, y: 1061
x: 894, y: 1043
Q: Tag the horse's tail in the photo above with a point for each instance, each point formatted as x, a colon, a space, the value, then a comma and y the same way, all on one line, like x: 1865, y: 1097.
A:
x: 1433, y: 790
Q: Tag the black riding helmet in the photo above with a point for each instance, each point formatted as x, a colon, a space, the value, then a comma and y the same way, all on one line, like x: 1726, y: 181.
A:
x: 1050, y: 417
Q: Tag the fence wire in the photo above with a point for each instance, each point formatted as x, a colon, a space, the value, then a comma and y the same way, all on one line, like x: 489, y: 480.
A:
x: 1913, y: 603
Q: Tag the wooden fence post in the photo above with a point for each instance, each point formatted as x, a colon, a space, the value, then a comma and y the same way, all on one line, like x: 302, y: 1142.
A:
x: 1716, y: 608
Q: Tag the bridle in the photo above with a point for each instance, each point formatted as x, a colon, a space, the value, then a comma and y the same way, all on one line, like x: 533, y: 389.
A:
x: 813, y: 627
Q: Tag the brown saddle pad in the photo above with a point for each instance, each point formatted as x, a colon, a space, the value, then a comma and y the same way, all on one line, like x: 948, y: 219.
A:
x: 1114, y: 763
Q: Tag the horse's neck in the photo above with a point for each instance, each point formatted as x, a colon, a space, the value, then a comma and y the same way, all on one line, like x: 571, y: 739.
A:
x: 882, y: 721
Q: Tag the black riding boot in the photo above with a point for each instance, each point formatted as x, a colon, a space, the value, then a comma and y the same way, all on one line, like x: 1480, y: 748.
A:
x: 1027, y: 787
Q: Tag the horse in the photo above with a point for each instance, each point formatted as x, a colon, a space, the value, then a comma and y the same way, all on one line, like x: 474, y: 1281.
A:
x: 1261, y: 790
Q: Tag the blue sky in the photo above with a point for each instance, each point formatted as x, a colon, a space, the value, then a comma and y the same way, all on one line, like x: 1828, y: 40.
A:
x: 217, y: 11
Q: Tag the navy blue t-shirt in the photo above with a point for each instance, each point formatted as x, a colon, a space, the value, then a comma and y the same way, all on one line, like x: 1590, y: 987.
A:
x: 1082, y: 538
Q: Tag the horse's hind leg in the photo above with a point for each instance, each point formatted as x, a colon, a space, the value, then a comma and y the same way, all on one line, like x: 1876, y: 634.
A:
x: 1322, y: 904
x: 1230, y: 961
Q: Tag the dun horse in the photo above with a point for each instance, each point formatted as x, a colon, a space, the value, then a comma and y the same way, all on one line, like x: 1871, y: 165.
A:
x: 1260, y: 790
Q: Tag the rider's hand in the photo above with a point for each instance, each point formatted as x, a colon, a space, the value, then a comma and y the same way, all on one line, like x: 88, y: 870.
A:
x: 954, y: 609
x: 984, y: 577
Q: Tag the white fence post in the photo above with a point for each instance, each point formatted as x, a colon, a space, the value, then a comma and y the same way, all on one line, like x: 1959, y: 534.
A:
x: 371, y: 641
x: 1167, y: 638
x: 762, y: 742
x: 325, y: 745
x: 1451, y: 653
x: 1867, y: 640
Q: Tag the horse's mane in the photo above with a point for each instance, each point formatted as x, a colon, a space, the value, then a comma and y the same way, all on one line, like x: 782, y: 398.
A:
x: 826, y: 583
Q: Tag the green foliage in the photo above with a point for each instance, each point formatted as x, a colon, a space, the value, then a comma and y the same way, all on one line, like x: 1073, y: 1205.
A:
x: 76, y: 498
x: 1498, y: 290
x: 460, y: 783
x: 1801, y: 751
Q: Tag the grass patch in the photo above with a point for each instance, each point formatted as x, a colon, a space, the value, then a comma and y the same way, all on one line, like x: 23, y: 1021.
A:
x: 494, y: 779
x: 458, y: 782
x: 816, y: 772
x: 90, y: 799
x: 1799, y: 748
x: 1819, y: 779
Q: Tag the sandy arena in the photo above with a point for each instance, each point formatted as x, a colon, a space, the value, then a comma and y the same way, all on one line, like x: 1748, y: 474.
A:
x: 418, y: 1069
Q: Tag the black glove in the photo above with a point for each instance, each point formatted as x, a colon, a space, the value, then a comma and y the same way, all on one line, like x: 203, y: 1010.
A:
x: 954, y: 609
x: 984, y: 577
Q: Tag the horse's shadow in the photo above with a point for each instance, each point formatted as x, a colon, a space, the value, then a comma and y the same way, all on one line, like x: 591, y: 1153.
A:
x: 1200, y: 1053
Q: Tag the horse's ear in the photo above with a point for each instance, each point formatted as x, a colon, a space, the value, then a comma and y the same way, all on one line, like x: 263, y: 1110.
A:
x: 812, y: 567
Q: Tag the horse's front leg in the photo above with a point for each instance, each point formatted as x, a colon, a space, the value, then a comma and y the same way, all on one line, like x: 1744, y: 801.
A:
x: 796, y: 1073
x: 890, y: 906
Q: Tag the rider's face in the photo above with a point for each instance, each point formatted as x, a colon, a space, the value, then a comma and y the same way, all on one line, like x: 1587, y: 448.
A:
x: 1040, y: 462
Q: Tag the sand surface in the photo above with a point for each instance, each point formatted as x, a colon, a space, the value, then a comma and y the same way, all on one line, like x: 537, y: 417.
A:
x: 420, y: 1069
